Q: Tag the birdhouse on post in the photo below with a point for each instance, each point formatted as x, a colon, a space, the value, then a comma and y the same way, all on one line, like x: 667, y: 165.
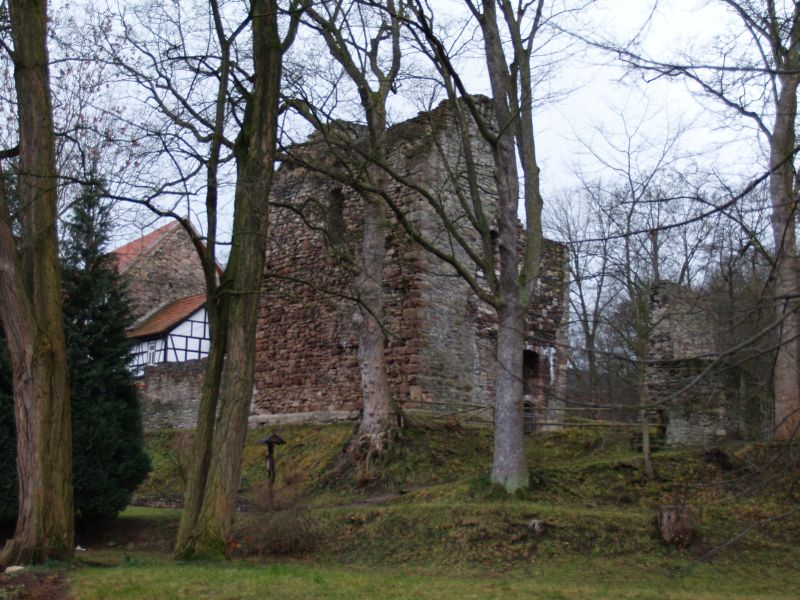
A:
x: 270, y: 441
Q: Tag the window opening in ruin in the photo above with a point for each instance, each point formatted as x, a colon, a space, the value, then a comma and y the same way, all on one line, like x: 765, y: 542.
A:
x: 335, y: 225
x: 530, y: 371
x: 528, y: 416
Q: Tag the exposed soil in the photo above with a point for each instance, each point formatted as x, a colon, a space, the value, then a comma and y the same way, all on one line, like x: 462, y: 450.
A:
x: 131, y: 533
x: 34, y: 585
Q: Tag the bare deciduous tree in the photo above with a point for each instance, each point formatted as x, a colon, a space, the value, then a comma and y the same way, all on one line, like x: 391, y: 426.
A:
x: 511, y: 34
x: 756, y: 75
x: 345, y: 27
x: 206, y: 526
x: 204, y: 85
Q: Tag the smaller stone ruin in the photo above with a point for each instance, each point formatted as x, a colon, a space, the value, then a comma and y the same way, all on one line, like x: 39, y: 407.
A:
x: 684, y: 373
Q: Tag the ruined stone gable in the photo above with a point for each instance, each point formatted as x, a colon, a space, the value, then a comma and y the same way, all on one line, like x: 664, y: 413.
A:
x: 160, y: 268
x: 441, y: 338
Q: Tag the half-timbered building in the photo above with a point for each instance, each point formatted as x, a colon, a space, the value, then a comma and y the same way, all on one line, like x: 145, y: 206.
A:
x: 170, y: 336
x: 175, y: 333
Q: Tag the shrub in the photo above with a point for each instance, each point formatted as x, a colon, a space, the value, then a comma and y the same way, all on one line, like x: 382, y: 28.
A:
x: 8, y: 440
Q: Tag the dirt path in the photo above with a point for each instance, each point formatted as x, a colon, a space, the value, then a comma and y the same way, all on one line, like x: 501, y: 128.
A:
x: 34, y: 585
x: 384, y: 497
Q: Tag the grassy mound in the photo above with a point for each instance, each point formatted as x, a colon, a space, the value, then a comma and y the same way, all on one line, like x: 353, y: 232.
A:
x: 428, y: 500
x: 424, y: 522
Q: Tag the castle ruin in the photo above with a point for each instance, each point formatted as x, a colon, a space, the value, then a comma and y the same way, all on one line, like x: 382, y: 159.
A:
x: 441, y: 337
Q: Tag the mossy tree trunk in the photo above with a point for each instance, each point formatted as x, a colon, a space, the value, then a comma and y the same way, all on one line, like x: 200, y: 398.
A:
x: 206, y: 420
x: 216, y: 305
x: 30, y: 308
x: 206, y: 527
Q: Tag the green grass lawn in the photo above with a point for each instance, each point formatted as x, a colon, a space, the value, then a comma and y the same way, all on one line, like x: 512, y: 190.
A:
x: 138, y: 577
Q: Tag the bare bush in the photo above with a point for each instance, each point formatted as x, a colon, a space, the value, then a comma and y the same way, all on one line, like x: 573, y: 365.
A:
x: 291, y: 532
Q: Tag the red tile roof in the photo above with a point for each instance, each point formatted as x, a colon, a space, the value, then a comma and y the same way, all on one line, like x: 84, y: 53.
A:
x: 167, y: 317
x: 128, y: 253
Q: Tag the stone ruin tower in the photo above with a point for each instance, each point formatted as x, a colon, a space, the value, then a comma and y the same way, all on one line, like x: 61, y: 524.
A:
x: 440, y: 337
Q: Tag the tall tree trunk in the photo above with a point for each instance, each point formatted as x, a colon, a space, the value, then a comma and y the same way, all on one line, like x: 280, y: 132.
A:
x: 216, y: 309
x: 379, y: 413
x: 30, y: 307
x: 513, y: 114
x: 215, y: 522
x: 591, y: 354
x: 641, y: 299
x: 644, y: 424
x: 787, y: 287
x: 212, y: 519
x: 204, y: 432
x: 509, y: 465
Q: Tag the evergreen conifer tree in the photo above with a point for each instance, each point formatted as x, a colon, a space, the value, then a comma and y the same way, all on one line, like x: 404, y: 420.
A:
x: 8, y: 439
x: 109, y: 459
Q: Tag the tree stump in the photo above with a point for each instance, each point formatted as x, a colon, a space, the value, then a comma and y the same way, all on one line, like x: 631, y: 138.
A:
x: 537, y: 526
x: 675, y: 525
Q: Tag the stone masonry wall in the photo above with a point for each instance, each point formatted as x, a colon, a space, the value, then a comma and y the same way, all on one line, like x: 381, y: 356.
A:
x: 169, y: 394
x: 168, y: 271
x: 306, y: 344
x: 441, y: 337
x: 682, y: 372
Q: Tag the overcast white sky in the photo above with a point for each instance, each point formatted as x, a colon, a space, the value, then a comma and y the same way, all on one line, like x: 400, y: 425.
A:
x: 607, y: 101
x: 589, y: 116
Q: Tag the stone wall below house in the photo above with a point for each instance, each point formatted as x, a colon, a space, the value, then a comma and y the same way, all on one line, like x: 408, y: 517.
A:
x: 169, y: 394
